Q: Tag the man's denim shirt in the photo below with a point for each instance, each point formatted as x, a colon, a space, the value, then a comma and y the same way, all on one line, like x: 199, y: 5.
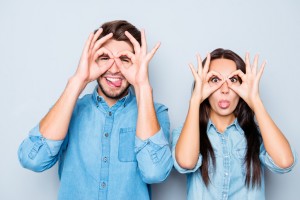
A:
x: 101, y: 157
x: 227, y: 181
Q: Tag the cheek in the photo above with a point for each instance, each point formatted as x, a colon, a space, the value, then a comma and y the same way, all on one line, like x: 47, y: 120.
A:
x: 235, y: 100
x: 213, y: 98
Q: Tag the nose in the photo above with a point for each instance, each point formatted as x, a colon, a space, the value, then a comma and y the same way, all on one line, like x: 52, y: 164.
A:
x: 224, y: 88
x: 114, y: 68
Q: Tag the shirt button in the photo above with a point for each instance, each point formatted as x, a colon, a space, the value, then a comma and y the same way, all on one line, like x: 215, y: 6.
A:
x: 103, y: 184
x: 109, y: 113
x: 226, y: 174
x: 98, y: 99
x: 106, y: 134
x: 105, y: 159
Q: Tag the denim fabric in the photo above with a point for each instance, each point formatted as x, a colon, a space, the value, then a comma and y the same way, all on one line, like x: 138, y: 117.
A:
x: 227, y: 181
x: 101, y: 157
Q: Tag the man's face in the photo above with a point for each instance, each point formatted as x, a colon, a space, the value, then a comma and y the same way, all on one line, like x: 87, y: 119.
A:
x: 112, y: 84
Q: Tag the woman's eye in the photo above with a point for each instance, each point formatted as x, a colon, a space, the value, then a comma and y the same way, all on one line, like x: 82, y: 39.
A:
x: 233, y: 79
x: 215, y: 80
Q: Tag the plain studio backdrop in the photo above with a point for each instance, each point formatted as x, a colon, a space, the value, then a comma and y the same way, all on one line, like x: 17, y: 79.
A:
x: 41, y: 43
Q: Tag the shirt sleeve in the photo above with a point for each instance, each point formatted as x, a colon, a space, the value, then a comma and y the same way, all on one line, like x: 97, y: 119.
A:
x: 268, y: 162
x: 176, y: 134
x: 38, y: 153
x: 154, y: 154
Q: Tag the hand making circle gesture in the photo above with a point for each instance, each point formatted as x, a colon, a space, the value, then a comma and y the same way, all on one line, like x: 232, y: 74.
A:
x: 202, y: 88
x: 136, y: 72
x: 88, y: 69
x: 249, y: 88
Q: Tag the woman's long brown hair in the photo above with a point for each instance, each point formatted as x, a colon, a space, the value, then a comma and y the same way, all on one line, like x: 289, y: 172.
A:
x: 245, y: 118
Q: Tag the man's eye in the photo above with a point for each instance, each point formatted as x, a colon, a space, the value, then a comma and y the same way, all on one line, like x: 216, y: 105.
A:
x: 233, y: 79
x: 104, y: 58
x: 125, y: 60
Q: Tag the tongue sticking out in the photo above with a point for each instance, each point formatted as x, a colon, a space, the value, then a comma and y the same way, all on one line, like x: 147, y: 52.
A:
x: 224, y: 104
x: 114, y: 82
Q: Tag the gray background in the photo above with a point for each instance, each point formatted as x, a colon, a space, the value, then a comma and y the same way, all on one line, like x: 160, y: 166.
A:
x: 40, y: 46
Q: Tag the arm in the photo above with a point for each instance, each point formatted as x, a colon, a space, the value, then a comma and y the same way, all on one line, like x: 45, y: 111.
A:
x: 40, y: 150
x: 187, y: 149
x: 153, y: 152
x: 55, y: 124
x: 274, y: 141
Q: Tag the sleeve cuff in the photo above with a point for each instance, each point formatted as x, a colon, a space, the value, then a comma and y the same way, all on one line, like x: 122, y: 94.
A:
x: 53, y: 146
x: 185, y: 171
x: 158, y: 139
x: 270, y: 164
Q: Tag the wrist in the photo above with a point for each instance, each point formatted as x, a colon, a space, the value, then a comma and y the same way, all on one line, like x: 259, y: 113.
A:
x: 77, y: 83
x: 257, y: 104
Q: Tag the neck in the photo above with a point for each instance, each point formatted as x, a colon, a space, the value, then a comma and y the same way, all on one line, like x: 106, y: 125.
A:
x: 222, y: 122
x: 109, y: 100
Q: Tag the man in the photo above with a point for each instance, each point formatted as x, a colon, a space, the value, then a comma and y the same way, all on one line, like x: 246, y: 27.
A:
x: 112, y: 143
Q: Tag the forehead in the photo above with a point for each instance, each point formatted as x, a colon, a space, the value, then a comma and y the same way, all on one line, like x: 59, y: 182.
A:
x: 117, y: 46
x: 223, y: 66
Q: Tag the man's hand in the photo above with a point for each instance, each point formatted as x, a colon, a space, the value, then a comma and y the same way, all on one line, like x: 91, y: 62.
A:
x: 88, y: 69
x: 137, y: 71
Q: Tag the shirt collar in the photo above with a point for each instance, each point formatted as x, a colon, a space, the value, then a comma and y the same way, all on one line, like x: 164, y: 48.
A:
x: 124, y: 101
x: 235, y: 125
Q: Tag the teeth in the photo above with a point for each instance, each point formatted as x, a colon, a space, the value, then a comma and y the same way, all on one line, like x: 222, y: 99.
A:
x: 113, y: 79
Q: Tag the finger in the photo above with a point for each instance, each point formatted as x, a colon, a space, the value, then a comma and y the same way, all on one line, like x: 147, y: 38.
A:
x: 144, y: 41
x: 217, y: 86
x: 96, y: 36
x: 120, y: 65
x: 101, y: 41
x: 107, y: 65
x: 207, y: 62
x: 134, y: 42
x: 199, y: 61
x: 255, y: 63
x: 193, y: 71
x: 213, y: 73
x: 247, y: 61
x: 261, y: 70
x: 87, y: 44
x: 127, y: 53
x: 234, y: 87
x: 238, y: 73
x: 153, y: 51
x: 102, y: 51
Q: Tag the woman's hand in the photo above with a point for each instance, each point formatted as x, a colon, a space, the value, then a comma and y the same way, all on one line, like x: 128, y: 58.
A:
x: 202, y: 88
x: 249, y: 88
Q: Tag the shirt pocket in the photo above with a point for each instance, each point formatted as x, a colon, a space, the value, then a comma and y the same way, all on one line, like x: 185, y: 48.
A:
x: 126, y: 145
x: 240, y: 155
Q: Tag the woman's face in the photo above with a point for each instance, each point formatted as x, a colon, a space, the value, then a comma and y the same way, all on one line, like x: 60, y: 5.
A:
x: 224, y: 100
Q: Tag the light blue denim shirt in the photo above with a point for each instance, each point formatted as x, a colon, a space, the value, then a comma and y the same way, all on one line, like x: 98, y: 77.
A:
x: 227, y: 181
x: 101, y: 157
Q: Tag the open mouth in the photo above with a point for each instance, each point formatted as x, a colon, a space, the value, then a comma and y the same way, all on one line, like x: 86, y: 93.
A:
x: 114, y: 81
x: 224, y: 104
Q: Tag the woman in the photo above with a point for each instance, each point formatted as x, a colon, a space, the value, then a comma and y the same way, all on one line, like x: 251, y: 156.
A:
x: 220, y: 147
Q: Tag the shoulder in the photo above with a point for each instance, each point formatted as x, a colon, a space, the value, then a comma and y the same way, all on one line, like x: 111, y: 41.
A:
x: 84, y: 102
